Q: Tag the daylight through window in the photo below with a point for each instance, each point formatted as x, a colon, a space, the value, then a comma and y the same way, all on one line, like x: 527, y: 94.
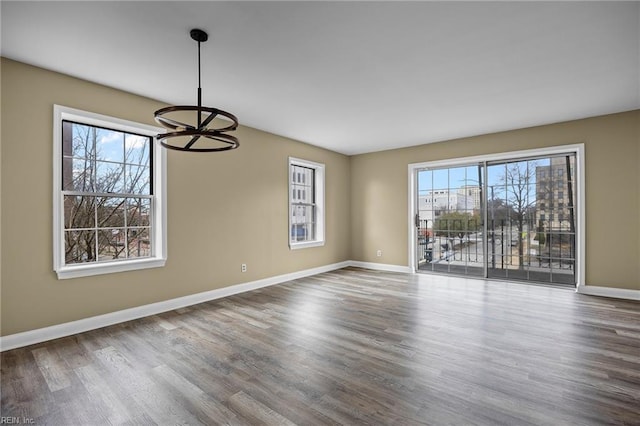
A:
x: 108, y: 196
x: 306, y: 203
x: 106, y: 178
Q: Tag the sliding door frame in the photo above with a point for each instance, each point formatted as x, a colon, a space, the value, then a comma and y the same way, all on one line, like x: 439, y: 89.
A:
x: 577, y: 149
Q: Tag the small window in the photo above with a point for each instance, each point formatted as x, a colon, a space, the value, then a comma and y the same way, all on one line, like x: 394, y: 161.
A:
x: 109, y: 195
x: 306, y: 206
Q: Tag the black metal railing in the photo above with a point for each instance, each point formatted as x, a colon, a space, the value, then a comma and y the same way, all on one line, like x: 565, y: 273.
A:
x: 510, y: 245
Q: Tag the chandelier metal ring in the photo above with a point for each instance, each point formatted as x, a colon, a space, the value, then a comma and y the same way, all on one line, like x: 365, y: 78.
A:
x: 230, y: 141
x: 204, y: 118
x: 160, y: 116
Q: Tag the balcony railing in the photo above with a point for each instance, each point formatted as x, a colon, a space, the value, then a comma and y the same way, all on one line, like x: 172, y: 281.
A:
x: 536, y: 253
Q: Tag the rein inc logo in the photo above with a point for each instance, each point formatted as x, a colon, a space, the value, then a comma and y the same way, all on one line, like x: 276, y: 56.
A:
x: 5, y: 420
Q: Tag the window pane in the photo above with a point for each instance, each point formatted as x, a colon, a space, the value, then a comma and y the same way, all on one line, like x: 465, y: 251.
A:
x: 79, y: 212
x: 425, y: 181
x: 78, y: 140
x: 109, y: 177
x: 137, y: 180
x: 79, y: 246
x: 110, y: 145
x: 457, y: 178
x: 137, y: 149
x: 303, y: 223
x: 78, y: 174
x: 440, y: 179
x: 302, y: 184
x: 138, y: 211
x: 297, y: 215
x: 111, y: 244
x: 138, y: 242
x: 110, y: 212
x: 302, y: 232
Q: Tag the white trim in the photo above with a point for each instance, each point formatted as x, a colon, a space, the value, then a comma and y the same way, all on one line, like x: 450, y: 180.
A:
x: 498, y: 156
x: 101, y: 120
x: 319, y: 189
x: 90, y: 269
x: 31, y: 337
x: 616, y: 293
x: 381, y: 266
x: 581, y: 233
x: 413, y: 210
x: 304, y: 244
x: 578, y: 149
x: 159, y: 219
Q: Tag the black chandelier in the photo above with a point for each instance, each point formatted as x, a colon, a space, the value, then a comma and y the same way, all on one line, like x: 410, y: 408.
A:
x: 182, y: 136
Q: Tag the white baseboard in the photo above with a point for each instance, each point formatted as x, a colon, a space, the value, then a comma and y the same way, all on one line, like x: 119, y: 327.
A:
x: 617, y: 293
x: 31, y: 337
x: 39, y: 335
x: 381, y: 266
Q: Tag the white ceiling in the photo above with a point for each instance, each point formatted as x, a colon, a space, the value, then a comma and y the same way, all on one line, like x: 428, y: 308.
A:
x: 352, y: 77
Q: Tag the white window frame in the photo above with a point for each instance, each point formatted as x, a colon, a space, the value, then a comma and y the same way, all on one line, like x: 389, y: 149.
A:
x: 158, y: 230
x: 577, y: 149
x: 319, y: 189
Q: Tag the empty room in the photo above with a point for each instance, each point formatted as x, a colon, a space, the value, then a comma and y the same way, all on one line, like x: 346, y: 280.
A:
x: 320, y: 213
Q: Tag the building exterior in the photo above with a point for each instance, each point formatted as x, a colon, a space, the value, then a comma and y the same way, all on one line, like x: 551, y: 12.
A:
x: 555, y: 190
x: 474, y: 192
x: 434, y: 203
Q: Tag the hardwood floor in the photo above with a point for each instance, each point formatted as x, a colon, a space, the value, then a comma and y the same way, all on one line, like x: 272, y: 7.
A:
x: 347, y: 347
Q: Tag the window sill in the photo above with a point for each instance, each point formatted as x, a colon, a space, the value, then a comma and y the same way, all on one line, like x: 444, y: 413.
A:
x: 305, y: 244
x: 78, y: 271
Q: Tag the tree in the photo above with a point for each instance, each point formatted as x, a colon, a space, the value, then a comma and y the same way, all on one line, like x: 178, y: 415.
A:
x: 94, y: 186
x: 457, y: 224
x: 518, y: 181
x: 499, y: 210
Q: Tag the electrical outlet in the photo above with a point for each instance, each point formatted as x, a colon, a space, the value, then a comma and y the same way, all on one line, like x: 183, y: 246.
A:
x: 379, y: 253
x: 243, y: 268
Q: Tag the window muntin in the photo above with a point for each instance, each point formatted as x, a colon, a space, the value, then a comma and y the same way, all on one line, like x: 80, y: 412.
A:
x: 109, y: 195
x: 306, y: 203
x: 107, y: 190
x: 531, y: 229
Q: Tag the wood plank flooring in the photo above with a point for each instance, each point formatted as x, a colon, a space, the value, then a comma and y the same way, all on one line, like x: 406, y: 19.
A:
x: 350, y: 347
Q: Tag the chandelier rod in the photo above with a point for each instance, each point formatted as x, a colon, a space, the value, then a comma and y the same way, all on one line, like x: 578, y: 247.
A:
x: 199, y: 36
x: 199, y: 89
x: 204, y: 118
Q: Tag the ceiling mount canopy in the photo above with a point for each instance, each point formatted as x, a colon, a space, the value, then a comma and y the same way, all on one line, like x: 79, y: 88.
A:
x: 205, y: 135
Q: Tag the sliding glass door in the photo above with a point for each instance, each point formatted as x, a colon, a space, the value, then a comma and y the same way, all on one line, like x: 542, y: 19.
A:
x: 511, y: 219
x: 531, y: 219
x: 449, y: 220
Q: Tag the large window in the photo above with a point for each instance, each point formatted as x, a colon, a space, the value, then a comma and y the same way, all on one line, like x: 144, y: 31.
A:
x: 108, y: 195
x: 510, y: 216
x: 306, y: 203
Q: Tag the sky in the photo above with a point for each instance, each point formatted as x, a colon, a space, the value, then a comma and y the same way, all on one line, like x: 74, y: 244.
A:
x: 456, y: 177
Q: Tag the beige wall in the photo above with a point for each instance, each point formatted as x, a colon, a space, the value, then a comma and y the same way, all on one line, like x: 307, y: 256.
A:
x: 213, y: 200
x: 612, y: 155
x: 0, y: 206
x: 213, y: 225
